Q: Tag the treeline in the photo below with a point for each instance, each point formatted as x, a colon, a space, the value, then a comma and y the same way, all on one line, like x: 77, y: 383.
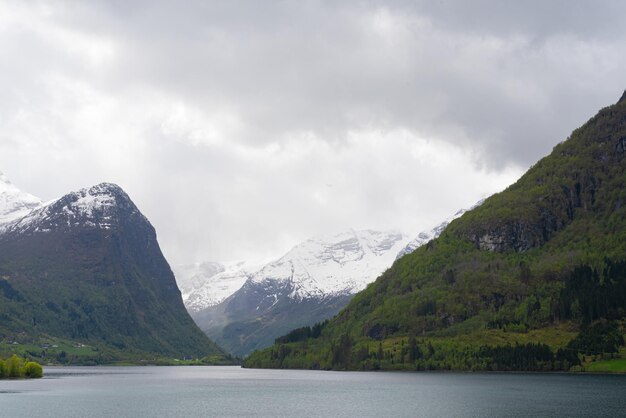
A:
x: 598, y: 338
x: 301, y: 334
x: 602, y: 338
x: 428, y: 356
x: 16, y: 367
x: 528, y: 357
x: 345, y: 354
x: 590, y: 294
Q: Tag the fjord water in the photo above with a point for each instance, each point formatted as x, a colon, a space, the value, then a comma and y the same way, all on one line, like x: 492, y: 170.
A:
x: 236, y: 392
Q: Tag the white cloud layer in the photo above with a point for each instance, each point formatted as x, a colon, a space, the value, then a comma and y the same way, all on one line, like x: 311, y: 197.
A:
x: 241, y: 128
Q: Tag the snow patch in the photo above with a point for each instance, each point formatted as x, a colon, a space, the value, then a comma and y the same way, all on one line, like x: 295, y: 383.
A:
x: 14, y: 203
x: 95, y: 207
x: 207, y: 284
x: 315, y: 269
x: 334, y: 265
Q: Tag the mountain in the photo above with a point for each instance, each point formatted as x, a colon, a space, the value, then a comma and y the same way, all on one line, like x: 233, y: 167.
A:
x: 207, y: 284
x: 310, y: 283
x: 532, y: 279
x: 87, y: 268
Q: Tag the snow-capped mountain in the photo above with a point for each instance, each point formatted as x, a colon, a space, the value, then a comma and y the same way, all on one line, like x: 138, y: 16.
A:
x: 206, y: 284
x: 310, y: 283
x: 87, y: 267
x: 189, y: 277
x: 94, y: 207
x: 317, y: 268
x: 333, y: 265
x: 14, y: 203
x: 97, y: 207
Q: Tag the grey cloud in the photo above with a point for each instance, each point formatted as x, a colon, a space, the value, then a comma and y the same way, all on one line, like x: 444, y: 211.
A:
x: 321, y: 67
x: 536, y: 18
x: 199, y: 108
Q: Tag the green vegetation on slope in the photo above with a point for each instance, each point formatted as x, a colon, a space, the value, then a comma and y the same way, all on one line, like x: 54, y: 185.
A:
x: 608, y: 366
x: 508, y: 286
x: 93, y: 295
x: 56, y: 351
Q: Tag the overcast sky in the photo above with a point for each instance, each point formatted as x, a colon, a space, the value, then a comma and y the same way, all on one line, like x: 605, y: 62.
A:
x: 242, y: 128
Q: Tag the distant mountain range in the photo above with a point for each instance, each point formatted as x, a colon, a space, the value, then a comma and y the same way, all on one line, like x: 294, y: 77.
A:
x: 206, y: 284
x: 87, y: 268
x: 245, y: 309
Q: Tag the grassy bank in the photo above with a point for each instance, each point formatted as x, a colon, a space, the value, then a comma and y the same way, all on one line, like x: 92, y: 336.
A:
x: 55, y: 351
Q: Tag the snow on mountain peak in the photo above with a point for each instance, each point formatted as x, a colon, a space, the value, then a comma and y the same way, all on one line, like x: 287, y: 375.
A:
x: 323, y: 266
x: 209, y: 283
x: 14, y: 203
x: 85, y: 202
x: 341, y: 264
x: 95, y: 207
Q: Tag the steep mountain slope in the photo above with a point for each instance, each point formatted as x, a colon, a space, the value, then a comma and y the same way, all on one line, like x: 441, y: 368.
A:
x: 526, y: 281
x: 310, y: 283
x: 87, y: 267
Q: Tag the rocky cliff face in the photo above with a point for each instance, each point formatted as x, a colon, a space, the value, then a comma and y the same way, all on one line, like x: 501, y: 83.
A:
x: 532, y: 219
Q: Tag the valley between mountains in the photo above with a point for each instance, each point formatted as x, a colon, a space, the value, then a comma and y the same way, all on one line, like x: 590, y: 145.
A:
x: 530, y: 279
x: 244, y: 310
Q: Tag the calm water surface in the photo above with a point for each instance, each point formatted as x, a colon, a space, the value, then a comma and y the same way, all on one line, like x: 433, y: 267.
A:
x: 236, y: 392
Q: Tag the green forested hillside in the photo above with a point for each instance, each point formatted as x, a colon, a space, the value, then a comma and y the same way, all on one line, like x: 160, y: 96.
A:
x: 533, y: 279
